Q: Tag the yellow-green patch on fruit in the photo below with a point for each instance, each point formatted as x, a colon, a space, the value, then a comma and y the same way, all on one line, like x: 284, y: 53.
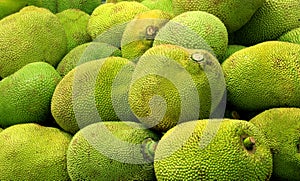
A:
x: 263, y: 76
x: 75, y: 24
x: 26, y: 94
x: 30, y: 36
x: 33, y: 152
x: 281, y: 127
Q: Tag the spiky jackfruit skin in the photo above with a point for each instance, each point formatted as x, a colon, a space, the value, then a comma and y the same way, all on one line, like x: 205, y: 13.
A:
x: 213, y: 150
x: 263, y: 76
x: 103, y: 24
x: 111, y: 151
x: 30, y: 36
x: 91, y: 92
x: 75, y: 24
x: 26, y: 94
x: 58, y: 6
x: 281, y: 127
x: 230, y: 50
x: 8, y: 7
x: 195, y: 30
x: 33, y: 152
x: 233, y: 13
x: 164, y: 5
x: 84, y: 53
x: 269, y: 22
x: 140, y: 32
x: 116, y: 1
x: 169, y: 73
x: 292, y: 36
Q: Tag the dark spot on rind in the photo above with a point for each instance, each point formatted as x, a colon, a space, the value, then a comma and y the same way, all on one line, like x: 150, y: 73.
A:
x: 151, y: 32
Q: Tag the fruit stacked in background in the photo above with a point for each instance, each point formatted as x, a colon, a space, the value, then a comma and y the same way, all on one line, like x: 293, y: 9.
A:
x: 141, y: 96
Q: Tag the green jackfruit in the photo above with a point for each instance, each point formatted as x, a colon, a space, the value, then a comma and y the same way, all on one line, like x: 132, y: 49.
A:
x: 30, y: 36
x: 56, y: 6
x: 93, y: 91
x: 8, y: 7
x: 292, y: 36
x: 112, y: 151
x: 26, y: 94
x: 230, y: 50
x: 172, y: 84
x: 269, y: 22
x: 233, y: 13
x: 84, y: 53
x: 164, y: 5
x: 281, y: 127
x: 139, y: 33
x: 33, y: 152
x: 75, y: 24
x: 263, y: 76
x: 213, y: 150
x: 195, y: 30
x: 104, y: 27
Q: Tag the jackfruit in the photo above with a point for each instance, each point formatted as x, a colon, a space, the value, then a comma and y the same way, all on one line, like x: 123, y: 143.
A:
x: 164, y: 5
x: 112, y: 151
x: 58, y: 6
x: 33, y: 152
x: 93, y: 91
x: 263, y: 76
x: 213, y: 149
x: 195, y: 30
x: 269, y: 22
x: 233, y: 13
x: 139, y: 33
x: 75, y: 24
x: 104, y: 27
x: 171, y: 84
x: 116, y: 1
x: 281, y: 127
x: 8, y: 7
x: 30, y: 36
x: 26, y: 94
x: 292, y: 36
x: 230, y: 50
x: 84, y: 53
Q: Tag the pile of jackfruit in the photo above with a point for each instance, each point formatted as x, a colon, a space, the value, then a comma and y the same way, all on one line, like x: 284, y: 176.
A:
x: 149, y: 90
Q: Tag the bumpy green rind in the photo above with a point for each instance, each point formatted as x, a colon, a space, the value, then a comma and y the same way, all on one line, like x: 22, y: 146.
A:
x: 84, y: 53
x: 140, y: 32
x: 33, y: 152
x: 8, y: 7
x: 195, y: 30
x: 109, y: 151
x: 164, y: 5
x: 292, y: 36
x: 234, y: 13
x: 263, y: 76
x: 31, y: 35
x: 281, y: 127
x: 26, y: 94
x: 91, y: 92
x: 230, y: 50
x: 169, y: 73
x: 212, y: 150
x: 269, y: 22
x: 75, y: 24
x: 106, y: 28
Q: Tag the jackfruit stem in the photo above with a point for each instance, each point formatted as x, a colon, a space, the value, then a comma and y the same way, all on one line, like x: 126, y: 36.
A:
x: 151, y: 32
x: 148, y: 149
x: 198, y: 57
x: 249, y: 143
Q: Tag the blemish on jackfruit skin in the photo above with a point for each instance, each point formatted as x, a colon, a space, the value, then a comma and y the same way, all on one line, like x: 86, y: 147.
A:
x: 281, y: 127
